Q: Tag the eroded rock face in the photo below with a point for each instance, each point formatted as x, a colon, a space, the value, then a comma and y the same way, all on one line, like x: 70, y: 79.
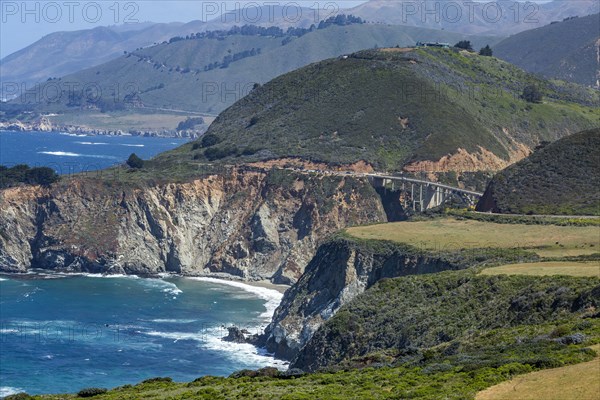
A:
x: 340, y: 271
x: 243, y: 224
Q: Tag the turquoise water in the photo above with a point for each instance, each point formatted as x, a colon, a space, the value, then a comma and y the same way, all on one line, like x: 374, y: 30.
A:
x: 62, y: 333
x: 68, y: 153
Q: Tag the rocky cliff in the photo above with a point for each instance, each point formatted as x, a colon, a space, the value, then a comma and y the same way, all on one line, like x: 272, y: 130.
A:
x: 341, y: 270
x: 251, y: 225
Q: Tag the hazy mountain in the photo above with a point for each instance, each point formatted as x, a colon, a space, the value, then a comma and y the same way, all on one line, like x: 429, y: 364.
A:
x: 565, y: 50
x: 475, y: 18
x: 191, y: 74
x: 62, y: 53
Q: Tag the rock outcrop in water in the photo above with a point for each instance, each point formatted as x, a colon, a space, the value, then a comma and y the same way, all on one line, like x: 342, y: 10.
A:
x: 341, y: 270
x: 249, y: 225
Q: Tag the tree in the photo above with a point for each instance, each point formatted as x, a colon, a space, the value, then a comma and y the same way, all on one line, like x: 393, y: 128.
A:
x: 486, y: 51
x: 531, y: 94
x: 134, y: 161
x: 42, y: 176
x: 210, y: 140
x: 464, y: 44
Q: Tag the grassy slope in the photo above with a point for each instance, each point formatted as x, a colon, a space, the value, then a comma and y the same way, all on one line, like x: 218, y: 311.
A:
x: 565, y: 50
x: 450, y: 234
x: 458, y: 318
x: 185, y: 90
x: 574, y: 382
x: 345, y: 110
x: 558, y: 179
x: 570, y: 268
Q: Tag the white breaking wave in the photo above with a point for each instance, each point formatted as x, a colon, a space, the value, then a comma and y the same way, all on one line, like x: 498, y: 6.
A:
x: 60, y: 153
x: 92, y: 143
x: 152, y: 283
x: 3, y: 279
x: 211, y: 339
x: 133, y: 145
x: 166, y: 287
x: 70, y: 154
x: 109, y: 276
x: 173, y: 321
x: 7, y: 391
x: 71, y: 134
x: 176, y: 336
x: 271, y: 296
x: 245, y: 353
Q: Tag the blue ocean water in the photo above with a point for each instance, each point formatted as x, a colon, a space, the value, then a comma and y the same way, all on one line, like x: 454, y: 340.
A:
x: 69, y: 153
x: 60, y: 333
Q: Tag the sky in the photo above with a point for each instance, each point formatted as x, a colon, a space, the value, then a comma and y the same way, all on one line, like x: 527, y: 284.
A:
x: 24, y: 22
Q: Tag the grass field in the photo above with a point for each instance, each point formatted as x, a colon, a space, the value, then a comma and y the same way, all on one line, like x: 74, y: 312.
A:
x: 574, y: 382
x: 150, y: 120
x: 452, y: 234
x: 547, y: 268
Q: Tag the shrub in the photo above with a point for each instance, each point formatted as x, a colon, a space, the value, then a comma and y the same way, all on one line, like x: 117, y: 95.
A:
x: 134, y: 161
x: 24, y: 174
x: 253, y: 121
x: 159, y: 379
x: 190, y: 123
x: 18, y: 396
x: 464, y: 44
x: 91, y: 392
x: 531, y: 94
x: 42, y: 176
x: 219, y: 153
x: 486, y: 51
x: 210, y: 140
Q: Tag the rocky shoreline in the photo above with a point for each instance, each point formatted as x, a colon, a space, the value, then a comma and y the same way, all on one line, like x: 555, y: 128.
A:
x: 45, y: 125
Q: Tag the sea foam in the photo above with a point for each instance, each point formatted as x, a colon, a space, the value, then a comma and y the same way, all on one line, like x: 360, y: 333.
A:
x: 70, y: 154
x: 211, y: 339
x: 7, y: 391
x: 271, y: 296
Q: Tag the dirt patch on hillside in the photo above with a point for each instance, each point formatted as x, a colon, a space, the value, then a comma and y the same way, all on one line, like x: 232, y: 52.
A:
x: 360, y: 166
x: 463, y: 161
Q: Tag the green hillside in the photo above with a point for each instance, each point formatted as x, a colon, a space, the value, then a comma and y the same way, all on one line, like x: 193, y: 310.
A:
x: 394, y: 107
x: 561, y: 178
x: 564, y: 50
x: 173, y: 75
x: 455, y: 318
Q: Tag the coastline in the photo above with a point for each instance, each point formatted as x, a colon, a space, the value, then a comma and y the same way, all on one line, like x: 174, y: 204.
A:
x: 209, y: 338
x: 232, y: 281
x: 259, y: 284
x: 86, y: 131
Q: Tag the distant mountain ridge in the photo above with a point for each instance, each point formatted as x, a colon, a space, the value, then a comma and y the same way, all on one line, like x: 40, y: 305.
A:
x: 62, y: 53
x: 500, y: 17
x: 568, y: 50
x: 190, y: 74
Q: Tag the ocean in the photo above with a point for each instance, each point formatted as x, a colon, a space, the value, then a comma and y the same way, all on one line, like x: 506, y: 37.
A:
x: 70, y: 153
x: 60, y: 333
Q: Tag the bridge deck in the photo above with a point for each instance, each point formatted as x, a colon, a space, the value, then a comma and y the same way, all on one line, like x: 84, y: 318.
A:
x: 421, y: 182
